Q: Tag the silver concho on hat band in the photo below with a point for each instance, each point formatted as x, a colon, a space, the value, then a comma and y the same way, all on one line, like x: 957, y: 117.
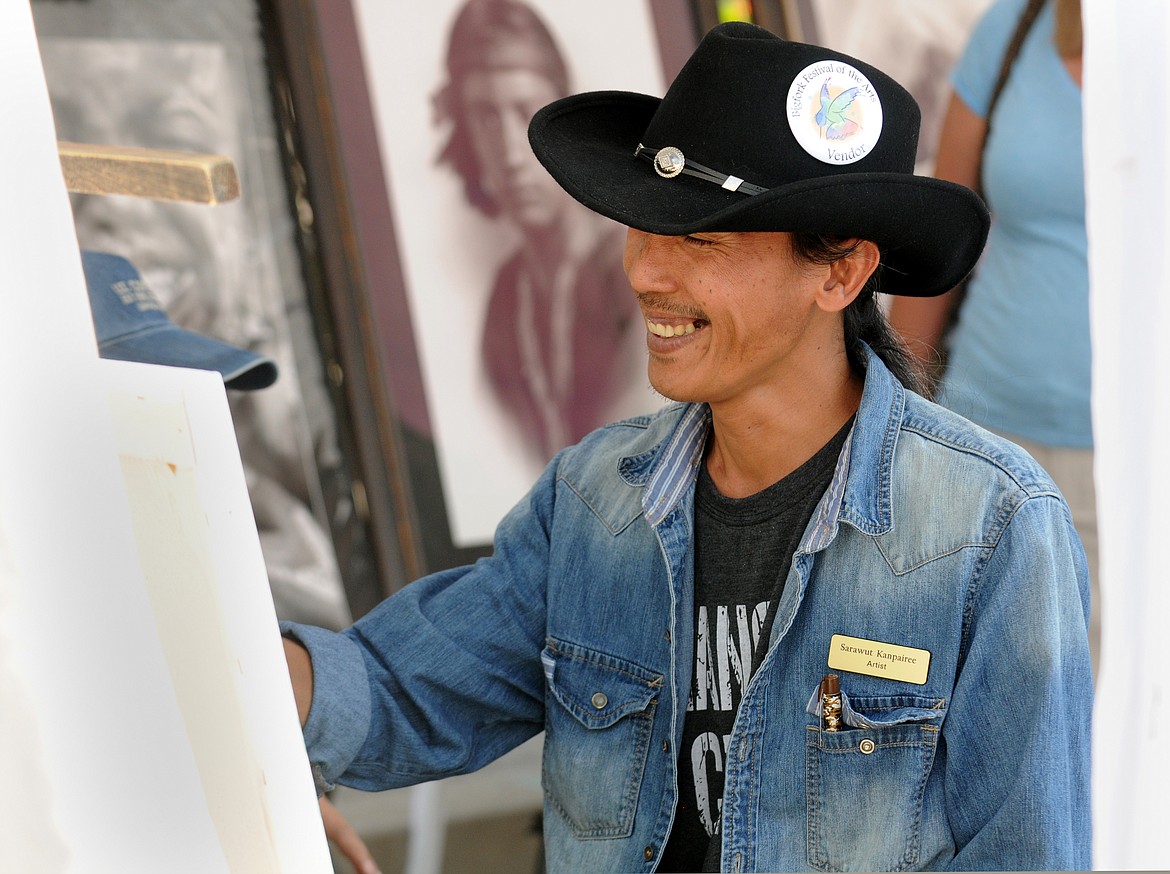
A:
x: 669, y: 162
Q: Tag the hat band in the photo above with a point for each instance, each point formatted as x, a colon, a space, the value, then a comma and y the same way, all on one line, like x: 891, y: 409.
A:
x: 669, y: 162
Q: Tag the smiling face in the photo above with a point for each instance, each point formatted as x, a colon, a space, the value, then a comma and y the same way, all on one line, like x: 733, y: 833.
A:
x: 730, y: 316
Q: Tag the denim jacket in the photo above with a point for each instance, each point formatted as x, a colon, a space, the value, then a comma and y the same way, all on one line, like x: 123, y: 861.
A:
x: 933, y: 535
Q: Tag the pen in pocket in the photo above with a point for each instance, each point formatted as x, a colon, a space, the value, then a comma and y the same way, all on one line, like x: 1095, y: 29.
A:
x: 831, y: 702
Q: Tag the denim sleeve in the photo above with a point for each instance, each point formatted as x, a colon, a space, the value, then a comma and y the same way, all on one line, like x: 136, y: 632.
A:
x: 1017, y: 733
x: 442, y: 677
x: 339, y: 717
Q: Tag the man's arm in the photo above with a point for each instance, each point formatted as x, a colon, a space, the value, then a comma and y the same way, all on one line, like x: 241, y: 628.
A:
x: 337, y: 828
x: 300, y: 672
x: 1017, y: 731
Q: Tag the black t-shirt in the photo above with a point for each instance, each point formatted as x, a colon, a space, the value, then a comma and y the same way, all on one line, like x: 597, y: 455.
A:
x: 743, y: 552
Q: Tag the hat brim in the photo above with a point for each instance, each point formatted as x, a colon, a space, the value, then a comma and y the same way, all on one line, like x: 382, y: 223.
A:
x: 931, y: 232
x: 171, y: 345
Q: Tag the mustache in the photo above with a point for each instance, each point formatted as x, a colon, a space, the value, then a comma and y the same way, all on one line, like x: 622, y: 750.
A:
x: 667, y: 305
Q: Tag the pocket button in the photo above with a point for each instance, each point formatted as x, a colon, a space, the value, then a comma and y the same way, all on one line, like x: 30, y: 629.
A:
x: 866, y: 747
x: 599, y: 700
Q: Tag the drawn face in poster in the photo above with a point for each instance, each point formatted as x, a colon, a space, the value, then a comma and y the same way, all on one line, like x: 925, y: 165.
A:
x: 212, y: 272
x: 529, y: 335
x: 555, y: 379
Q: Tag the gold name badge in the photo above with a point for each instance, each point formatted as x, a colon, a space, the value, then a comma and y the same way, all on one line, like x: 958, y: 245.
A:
x: 877, y: 659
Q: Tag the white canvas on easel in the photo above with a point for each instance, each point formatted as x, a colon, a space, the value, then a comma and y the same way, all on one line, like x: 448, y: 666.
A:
x: 145, y: 711
x: 205, y: 580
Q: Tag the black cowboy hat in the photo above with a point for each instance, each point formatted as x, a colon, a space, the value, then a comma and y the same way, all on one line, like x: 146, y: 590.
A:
x: 757, y: 133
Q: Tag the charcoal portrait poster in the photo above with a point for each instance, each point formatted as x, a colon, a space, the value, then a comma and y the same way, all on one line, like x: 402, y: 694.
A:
x: 528, y: 334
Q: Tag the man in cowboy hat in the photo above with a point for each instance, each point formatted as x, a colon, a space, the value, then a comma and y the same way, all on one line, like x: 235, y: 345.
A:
x: 803, y: 618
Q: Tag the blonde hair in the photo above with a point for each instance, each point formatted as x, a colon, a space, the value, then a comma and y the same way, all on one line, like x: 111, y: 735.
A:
x: 1068, y: 34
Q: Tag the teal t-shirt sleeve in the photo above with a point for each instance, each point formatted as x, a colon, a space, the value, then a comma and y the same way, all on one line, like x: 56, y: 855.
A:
x: 974, y: 76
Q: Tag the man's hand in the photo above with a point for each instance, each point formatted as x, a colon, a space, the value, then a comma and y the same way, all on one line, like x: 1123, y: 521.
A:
x: 342, y: 835
x: 337, y: 828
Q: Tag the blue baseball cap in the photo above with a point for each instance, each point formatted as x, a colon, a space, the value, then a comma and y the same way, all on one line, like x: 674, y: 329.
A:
x: 131, y: 325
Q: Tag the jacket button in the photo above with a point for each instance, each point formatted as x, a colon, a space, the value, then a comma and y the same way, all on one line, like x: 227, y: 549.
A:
x: 599, y: 700
x: 866, y: 746
x: 648, y: 853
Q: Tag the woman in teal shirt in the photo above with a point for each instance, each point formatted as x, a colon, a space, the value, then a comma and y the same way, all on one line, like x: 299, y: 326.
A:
x: 1018, y: 358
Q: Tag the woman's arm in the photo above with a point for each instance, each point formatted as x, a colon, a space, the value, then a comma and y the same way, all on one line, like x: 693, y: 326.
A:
x: 921, y: 321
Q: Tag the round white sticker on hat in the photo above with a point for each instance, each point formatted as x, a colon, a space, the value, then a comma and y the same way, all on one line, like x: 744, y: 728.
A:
x: 834, y: 112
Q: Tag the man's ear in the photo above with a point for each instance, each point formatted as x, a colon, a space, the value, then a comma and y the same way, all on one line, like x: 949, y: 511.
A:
x: 848, y: 276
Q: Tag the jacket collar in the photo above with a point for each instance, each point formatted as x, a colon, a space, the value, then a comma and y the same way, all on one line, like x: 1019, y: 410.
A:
x: 862, y: 482
x: 860, y: 493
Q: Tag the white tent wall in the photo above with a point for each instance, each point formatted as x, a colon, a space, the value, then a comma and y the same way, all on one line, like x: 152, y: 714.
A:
x: 146, y: 721
x: 1127, y: 75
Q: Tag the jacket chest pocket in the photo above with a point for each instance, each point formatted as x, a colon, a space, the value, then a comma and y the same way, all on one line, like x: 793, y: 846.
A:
x: 599, y: 717
x: 865, y: 784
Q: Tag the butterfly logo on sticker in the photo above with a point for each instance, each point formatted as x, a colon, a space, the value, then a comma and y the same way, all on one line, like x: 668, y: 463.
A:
x: 833, y: 114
